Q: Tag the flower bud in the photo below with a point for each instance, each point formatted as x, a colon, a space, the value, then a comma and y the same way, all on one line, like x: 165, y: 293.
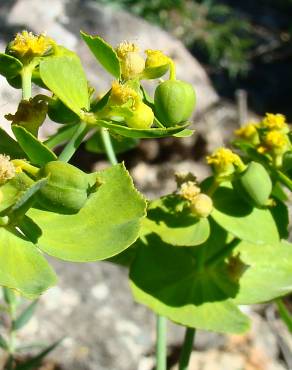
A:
x: 248, y: 133
x: 66, y: 190
x: 7, y: 170
x: 255, y: 184
x: 201, y: 205
x: 174, y: 102
x: 156, y: 64
x: 132, y: 64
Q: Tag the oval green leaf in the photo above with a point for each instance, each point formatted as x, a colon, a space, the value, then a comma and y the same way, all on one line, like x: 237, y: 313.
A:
x: 241, y: 219
x: 150, y: 133
x: 9, y: 66
x: 268, y: 274
x: 9, y: 146
x: 174, y: 226
x: 165, y: 279
x: 22, y: 267
x: 107, y: 224
x: 36, y: 151
x: 65, y: 77
x: 104, y: 53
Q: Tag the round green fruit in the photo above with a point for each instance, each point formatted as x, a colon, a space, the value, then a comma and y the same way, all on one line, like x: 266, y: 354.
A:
x: 174, y: 102
x: 66, y: 190
x: 255, y: 184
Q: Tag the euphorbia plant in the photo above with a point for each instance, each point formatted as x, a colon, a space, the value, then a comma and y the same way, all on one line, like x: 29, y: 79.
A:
x: 199, y: 252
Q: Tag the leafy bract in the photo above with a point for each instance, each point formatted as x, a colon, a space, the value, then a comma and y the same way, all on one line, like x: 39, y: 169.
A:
x: 241, y: 219
x: 64, y: 76
x: 9, y: 66
x: 104, y: 53
x: 22, y: 267
x: 36, y: 151
x: 141, y: 133
x: 107, y: 224
x: 9, y: 146
x: 166, y: 279
x: 268, y: 274
x: 175, y: 226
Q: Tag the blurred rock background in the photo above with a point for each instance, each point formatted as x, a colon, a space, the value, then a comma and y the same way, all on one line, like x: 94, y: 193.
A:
x: 92, y: 305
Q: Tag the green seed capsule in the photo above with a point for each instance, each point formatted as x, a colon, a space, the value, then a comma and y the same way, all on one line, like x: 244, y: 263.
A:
x: 66, y: 190
x: 58, y: 112
x: 174, y: 102
x: 255, y: 184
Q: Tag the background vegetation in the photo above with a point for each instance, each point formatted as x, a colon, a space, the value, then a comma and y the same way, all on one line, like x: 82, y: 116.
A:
x: 243, y: 44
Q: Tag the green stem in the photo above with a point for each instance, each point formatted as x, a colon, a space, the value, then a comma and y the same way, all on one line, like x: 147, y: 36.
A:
x: 161, y: 327
x: 187, y: 349
x: 284, y: 180
x: 172, y: 71
x: 108, y: 146
x: 284, y: 313
x: 26, y: 75
x: 73, y: 143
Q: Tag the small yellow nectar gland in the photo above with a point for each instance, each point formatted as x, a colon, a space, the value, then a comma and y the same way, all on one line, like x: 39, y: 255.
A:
x: 7, y: 170
x: 26, y: 44
x: 225, y: 162
x: 132, y: 64
x: 202, y: 205
x: 155, y: 58
x: 275, y: 122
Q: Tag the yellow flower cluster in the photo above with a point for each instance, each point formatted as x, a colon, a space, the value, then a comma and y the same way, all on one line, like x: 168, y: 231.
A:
x: 224, y: 159
x: 133, y: 64
x: 155, y: 58
x: 122, y: 94
x: 275, y: 141
x: 201, y: 205
x: 7, y: 170
x: 274, y: 122
x: 26, y: 44
x: 248, y: 131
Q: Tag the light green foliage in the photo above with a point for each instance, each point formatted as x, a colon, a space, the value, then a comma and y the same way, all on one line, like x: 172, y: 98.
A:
x: 22, y: 266
x: 65, y: 77
x: 174, y: 224
x: 104, y: 53
x: 107, y: 224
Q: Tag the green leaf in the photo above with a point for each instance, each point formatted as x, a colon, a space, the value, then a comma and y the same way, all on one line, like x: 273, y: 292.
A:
x: 13, y: 189
x: 104, y: 53
x: 120, y: 144
x: 25, y: 316
x: 241, y: 219
x: 65, y: 77
x: 33, y: 363
x: 284, y: 314
x: 9, y: 66
x: 184, y: 133
x: 3, y: 343
x: 29, y: 193
x: 174, y: 226
x: 22, y: 267
x: 166, y: 279
x: 107, y: 224
x: 141, y: 133
x: 268, y: 274
x: 36, y: 151
x: 9, y: 146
